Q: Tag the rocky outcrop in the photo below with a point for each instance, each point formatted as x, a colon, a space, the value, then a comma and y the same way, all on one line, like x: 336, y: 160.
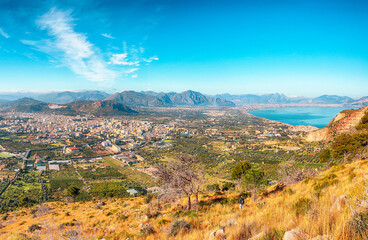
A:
x: 339, y: 204
x: 259, y: 236
x: 217, y: 234
x: 344, y: 122
x: 295, y: 234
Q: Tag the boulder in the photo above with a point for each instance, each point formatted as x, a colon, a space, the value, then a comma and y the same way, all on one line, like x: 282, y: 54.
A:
x: 295, y: 234
x: 231, y: 222
x: 217, y: 234
x: 259, y: 236
x: 339, y: 204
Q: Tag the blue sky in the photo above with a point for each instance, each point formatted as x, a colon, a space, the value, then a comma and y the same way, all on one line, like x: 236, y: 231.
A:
x: 299, y: 48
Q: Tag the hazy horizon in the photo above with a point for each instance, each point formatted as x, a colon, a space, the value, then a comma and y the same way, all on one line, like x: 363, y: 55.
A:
x: 35, y: 92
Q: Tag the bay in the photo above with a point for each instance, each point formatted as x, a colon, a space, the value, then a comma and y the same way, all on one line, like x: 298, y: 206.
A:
x: 307, y: 116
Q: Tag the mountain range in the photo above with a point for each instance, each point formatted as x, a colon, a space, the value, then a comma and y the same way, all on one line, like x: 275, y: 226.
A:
x: 187, y: 98
x: 151, y: 99
x: 277, y: 98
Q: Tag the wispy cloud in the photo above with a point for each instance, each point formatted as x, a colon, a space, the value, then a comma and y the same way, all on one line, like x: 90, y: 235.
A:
x: 4, y: 34
x: 122, y: 59
x: 151, y: 59
x: 107, y: 35
x: 131, y: 70
x: 71, y: 48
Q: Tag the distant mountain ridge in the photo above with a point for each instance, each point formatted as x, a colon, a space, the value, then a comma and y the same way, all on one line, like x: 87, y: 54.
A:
x: 151, y: 99
x: 277, y: 98
x: 67, y: 97
x: 187, y: 98
x: 85, y: 107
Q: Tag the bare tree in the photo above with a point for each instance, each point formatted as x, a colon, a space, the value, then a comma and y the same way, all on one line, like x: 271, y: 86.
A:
x: 291, y: 174
x: 181, y: 177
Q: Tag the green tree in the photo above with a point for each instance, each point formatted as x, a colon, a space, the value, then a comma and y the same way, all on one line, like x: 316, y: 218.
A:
x: 240, y: 169
x: 325, y: 155
x: 254, y: 178
x: 73, y: 192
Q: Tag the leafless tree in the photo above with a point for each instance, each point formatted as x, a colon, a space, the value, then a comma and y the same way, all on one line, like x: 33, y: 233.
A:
x: 181, y: 177
x: 291, y: 174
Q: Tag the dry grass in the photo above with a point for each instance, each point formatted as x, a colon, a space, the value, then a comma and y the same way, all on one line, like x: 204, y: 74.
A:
x: 305, y: 205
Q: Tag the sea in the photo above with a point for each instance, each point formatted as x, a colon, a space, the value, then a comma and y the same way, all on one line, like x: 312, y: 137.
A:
x: 307, y: 116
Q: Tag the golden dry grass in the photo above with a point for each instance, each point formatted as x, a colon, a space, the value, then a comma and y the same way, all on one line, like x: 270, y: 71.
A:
x: 305, y: 205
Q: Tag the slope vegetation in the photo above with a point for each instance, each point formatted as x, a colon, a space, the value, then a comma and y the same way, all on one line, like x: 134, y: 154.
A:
x: 327, y: 205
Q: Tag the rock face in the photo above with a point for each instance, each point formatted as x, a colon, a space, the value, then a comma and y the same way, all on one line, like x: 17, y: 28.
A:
x: 344, y: 122
x: 339, y: 204
x: 295, y: 234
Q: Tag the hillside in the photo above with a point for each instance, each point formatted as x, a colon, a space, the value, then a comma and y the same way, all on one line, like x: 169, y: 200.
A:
x: 361, y: 102
x: 325, y: 205
x: 149, y: 99
x: 344, y: 122
x: 19, y: 102
x: 98, y: 108
x: 332, y: 99
x: 68, y: 97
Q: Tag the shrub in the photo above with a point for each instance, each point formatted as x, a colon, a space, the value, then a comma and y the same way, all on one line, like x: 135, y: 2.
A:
x: 240, y: 169
x: 213, y: 187
x: 34, y: 227
x: 358, y: 226
x: 274, y: 234
x: 254, y: 178
x: 228, y: 185
x: 178, y: 226
x: 302, y: 206
x: 191, y: 214
x: 163, y: 221
x: 243, y: 232
x: 325, y: 155
x: 326, y: 181
x: 147, y: 229
x: 148, y: 198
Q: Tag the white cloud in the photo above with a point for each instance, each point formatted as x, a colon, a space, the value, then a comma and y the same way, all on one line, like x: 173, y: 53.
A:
x: 107, y: 35
x: 122, y: 59
x: 4, y: 34
x: 71, y: 48
x: 149, y: 60
x: 131, y: 70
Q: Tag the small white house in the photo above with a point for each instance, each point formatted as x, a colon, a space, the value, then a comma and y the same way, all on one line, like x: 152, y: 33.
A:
x: 132, y: 191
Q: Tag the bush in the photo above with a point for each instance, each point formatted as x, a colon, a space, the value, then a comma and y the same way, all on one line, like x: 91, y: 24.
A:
x: 228, y: 185
x: 325, y: 155
x: 358, y: 226
x: 34, y: 227
x: 346, y: 144
x: 147, y: 229
x: 302, y: 206
x: 179, y: 226
x: 148, y: 198
x: 240, y: 169
x: 213, y: 187
x: 326, y: 181
x: 254, y: 178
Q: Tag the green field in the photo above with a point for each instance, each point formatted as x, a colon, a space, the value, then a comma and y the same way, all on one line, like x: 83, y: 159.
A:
x: 140, y: 178
x: 5, y: 155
